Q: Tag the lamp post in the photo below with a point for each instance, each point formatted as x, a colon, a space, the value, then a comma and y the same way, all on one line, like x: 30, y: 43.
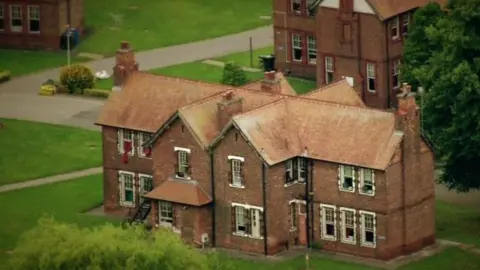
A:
x: 68, y: 44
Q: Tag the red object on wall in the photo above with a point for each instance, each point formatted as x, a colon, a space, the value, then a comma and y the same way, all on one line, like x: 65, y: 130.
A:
x: 147, y: 151
x: 127, y: 146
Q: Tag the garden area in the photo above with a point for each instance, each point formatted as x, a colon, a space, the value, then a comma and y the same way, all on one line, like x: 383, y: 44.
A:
x: 131, y: 20
x: 33, y: 150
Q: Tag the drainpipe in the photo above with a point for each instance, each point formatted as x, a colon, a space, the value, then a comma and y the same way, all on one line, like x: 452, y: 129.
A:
x: 212, y: 177
x: 387, y: 50
x: 359, y: 58
x: 264, y: 189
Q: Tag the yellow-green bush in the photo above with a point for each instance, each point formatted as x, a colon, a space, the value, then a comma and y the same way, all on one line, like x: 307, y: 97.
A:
x: 4, y: 76
x: 77, y: 78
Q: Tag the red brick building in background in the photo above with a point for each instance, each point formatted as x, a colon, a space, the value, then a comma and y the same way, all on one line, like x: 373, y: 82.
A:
x: 362, y: 39
x: 260, y: 169
x: 38, y: 24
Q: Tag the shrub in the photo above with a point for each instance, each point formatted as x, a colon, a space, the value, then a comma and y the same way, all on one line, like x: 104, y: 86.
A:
x: 4, y: 76
x: 77, y: 78
x: 97, y: 93
x: 233, y: 75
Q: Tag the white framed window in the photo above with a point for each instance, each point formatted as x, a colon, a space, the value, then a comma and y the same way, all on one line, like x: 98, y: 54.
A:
x: 367, y: 182
x: 312, y: 49
x: 125, y: 141
x: 293, y: 215
x: 127, y: 188
x: 329, y: 69
x: 165, y: 214
x: 405, y: 23
x: 297, y: 48
x: 349, y: 226
x: 247, y: 220
x: 295, y: 171
x: 309, y: 7
x: 16, y: 18
x: 183, y: 165
x: 396, y: 73
x: 2, y: 17
x: 346, y: 178
x: 144, y: 152
x: 236, y: 172
x: 394, y: 28
x: 328, y: 222
x: 296, y: 6
x: 371, y: 77
x: 34, y: 19
x: 146, y: 185
x: 368, y: 227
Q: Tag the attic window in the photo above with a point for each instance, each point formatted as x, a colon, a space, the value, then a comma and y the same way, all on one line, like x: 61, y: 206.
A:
x: 236, y: 137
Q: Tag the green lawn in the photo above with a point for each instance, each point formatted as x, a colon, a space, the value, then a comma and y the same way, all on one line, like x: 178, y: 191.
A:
x: 458, y: 223
x: 32, y: 150
x: 64, y: 201
x: 243, y: 58
x: 302, y: 86
x: 23, y: 62
x: 449, y: 259
x: 154, y: 24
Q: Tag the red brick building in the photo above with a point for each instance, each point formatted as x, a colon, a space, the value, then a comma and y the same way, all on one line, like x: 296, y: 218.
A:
x: 362, y: 39
x: 260, y: 169
x: 30, y: 24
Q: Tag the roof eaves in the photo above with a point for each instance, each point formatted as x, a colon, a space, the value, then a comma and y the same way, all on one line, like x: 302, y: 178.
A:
x: 160, y: 131
x: 375, y: 10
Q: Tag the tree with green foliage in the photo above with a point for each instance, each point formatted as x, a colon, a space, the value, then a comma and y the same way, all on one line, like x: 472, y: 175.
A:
x: 234, y: 75
x: 418, y: 47
x: 451, y: 104
x: 77, y: 78
x: 56, y: 246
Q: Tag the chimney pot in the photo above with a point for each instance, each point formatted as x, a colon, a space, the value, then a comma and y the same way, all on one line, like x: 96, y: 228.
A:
x: 125, y: 45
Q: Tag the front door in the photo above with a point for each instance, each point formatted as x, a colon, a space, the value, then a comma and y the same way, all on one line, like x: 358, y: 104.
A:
x: 146, y: 185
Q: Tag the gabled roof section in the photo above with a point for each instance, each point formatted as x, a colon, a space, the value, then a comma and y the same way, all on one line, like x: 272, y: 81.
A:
x: 386, y: 9
x: 147, y: 101
x: 326, y: 131
x: 180, y: 191
x: 285, y: 87
x: 201, y: 116
x: 340, y: 92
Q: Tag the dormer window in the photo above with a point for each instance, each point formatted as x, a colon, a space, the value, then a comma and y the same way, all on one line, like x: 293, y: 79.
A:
x: 295, y: 170
x: 182, y: 169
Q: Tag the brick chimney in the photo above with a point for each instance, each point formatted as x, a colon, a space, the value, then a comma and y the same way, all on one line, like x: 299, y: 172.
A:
x: 270, y: 82
x: 125, y: 64
x: 228, y: 106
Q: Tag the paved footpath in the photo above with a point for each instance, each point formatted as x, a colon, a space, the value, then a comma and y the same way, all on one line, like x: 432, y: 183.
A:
x: 19, y: 99
x: 51, y: 179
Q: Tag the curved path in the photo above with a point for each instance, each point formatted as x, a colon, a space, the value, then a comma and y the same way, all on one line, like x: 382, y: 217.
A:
x: 19, y: 99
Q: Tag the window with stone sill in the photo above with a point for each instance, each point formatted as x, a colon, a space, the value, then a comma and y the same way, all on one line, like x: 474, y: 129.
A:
x: 16, y: 18
x: 405, y: 23
x: 182, y: 168
x: 165, y: 214
x: 34, y: 19
x: 125, y: 141
x: 329, y: 69
x: 297, y: 48
x: 312, y: 50
x: 367, y: 182
x: 394, y: 28
x: 236, y: 171
x: 146, y: 185
x: 348, y: 226
x: 295, y: 170
x: 368, y: 228
x: 127, y: 188
x: 144, y: 151
x: 371, y: 77
x: 346, y: 178
x: 328, y: 222
x: 247, y: 220
x: 296, y: 6
x: 396, y: 74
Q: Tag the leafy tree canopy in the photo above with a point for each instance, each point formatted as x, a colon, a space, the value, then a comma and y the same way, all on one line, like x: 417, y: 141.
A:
x: 451, y: 104
x: 56, y: 246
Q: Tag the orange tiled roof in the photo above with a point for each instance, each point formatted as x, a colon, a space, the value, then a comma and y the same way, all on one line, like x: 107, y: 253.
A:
x: 386, y: 9
x: 330, y: 132
x: 180, y: 191
x: 201, y: 116
x: 339, y: 92
x: 285, y: 87
x: 147, y: 101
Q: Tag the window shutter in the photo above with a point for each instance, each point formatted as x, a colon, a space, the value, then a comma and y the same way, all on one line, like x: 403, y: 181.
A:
x: 233, y: 219
x: 295, y: 169
x: 339, y: 176
x: 119, y: 141
x: 261, y: 223
x: 247, y: 219
x: 230, y: 171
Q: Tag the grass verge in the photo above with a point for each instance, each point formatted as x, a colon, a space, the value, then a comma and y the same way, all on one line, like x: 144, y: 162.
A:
x: 243, y: 58
x: 458, y: 223
x: 32, y: 150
